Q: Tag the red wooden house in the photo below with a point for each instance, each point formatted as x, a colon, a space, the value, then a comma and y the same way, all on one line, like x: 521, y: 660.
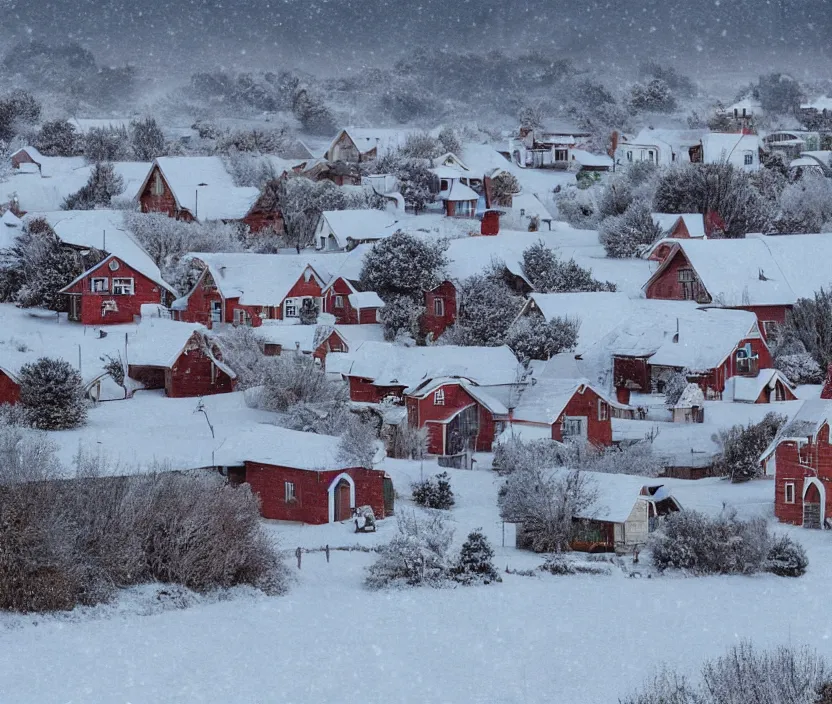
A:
x: 113, y: 291
x: 299, y: 478
x: 179, y: 358
x: 570, y: 408
x: 200, y: 188
x: 458, y: 415
x: 803, y: 467
x: 765, y: 275
x: 9, y: 387
x: 350, y: 306
x: 378, y: 370
x: 245, y: 289
x: 441, y: 309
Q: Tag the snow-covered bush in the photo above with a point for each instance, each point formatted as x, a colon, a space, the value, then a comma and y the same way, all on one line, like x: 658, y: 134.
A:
x: 778, y: 94
x: 489, y: 307
x: 691, y: 541
x: 549, y: 274
x: 630, y: 234
x: 475, y: 564
x: 357, y: 446
x: 578, y: 207
x: 407, y: 442
x: 107, y: 144
x: 434, y: 492
x: 785, y: 675
x: 116, y: 368
x: 516, y: 454
x: 147, y: 139
x: 17, y: 110
x: 544, y: 504
x: 400, y: 316
x: 417, y: 556
x: 503, y: 187
x: 421, y: 145
x: 534, y: 338
x: 806, y: 205
x: 674, y: 387
x: 809, y: 322
x: 52, y: 392
x: 292, y: 379
x: 653, y: 96
x: 786, y: 558
x: 741, y: 447
x: 403, y: 264
x: 799, y: 368
x: 242, y: 351
x: 637, y: 458
x: 101, y: 187
x: 312, y: 112
x: 57, y: 138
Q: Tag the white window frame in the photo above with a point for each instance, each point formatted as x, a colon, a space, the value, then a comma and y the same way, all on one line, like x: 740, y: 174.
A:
x: 124, y: 286
x: 291, y: 304
x: 289, y: 495
x: 580, y: 420
x: 439, y: 307
x: 242, y: 317
x: 770, y: 327
x: 439, y: 397
x: 748, y: 159
x: 603, y: 410
x: 103, y: 289
x: 158, y: 187
x: 788, y: 487
x: 339, y: 301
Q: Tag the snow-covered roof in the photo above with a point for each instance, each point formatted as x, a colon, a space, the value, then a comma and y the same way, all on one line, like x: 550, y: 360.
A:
x: 387, y: 364
x: 808, y: 421
x: 804, y: 161
x: 306, y: 338
x: 494, y: 405
x: 367, y: 139
x: 724, y: 146
x: 265, y: 279
x: 104, y: 230
x: 359, y: 225
x: 460, y: 192
x: 9, y: 219
x: 270, y: 444
x: 691, y: 397
x: 695, y: 222
x: 365, y: 299
x: 676, y: 139
x: 585, y: 158
x: 531, y: 206
x: 158, y: 342
x: 616, y: 494
x: 743, y: 389
x: 544, y: 401
x: 354, y: 335
x: 820, y: 104
x: 201, y: 185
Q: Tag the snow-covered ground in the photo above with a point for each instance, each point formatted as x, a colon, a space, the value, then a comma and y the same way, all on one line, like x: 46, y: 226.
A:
x: 579, y: 639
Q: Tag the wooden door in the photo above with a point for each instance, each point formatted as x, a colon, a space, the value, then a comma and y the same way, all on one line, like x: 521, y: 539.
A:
x: 343, y: 509
x: 811, y: 508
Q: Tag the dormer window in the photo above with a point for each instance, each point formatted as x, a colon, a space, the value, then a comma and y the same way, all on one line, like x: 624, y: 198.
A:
x: 439, y: 397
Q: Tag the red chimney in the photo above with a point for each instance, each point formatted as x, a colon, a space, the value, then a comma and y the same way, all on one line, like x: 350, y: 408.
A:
x: 826, y: 393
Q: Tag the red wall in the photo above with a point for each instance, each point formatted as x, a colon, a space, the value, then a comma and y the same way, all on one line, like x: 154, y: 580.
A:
x: 199, y: 302
x: 164, y: 203
x: 9, y: 390
x: 345, y: 315
x: 258, y: 220
x: 22, y: 157
x: 667, y: 286
x: 145, y: 291
x: 631, y: 373
x: 363, y: 390
x: 190, y: 375
x: 312, y: 498
x: 422, y: 411
x: 816, y: 458
x: 431, y: 323
x: 599, y: 432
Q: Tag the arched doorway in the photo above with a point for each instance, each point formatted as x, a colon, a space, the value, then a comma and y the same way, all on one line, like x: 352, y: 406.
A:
x: 341, y: 497
x: 342, y: 501
x: 813, y: 504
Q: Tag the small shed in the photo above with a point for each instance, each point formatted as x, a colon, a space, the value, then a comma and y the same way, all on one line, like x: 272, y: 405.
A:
x: 690, y: 408
x: 9, y: 387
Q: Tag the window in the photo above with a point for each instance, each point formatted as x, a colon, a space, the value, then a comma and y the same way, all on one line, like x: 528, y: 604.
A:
x: 444, y: 185
x: 289, y: 492
x: 603, y: 410
x: 100, y: 285
x: 439, y: 397
x: 290, y: 308
x: 630, y: 157
x: 241, y: 317
x: 464, y: 208
x: 123, y: 287
x: 770, y: 328
x: 572, y: 428
x: 779, y: 392
x: 651, y: 156
x: 158, y: 188
x: 339, y: 301
x: 690, y: 286
x: 113, y: 265
x: 439, y: 307
x: 749, y: 159
x: 789, y: 493
x: 561, y: 155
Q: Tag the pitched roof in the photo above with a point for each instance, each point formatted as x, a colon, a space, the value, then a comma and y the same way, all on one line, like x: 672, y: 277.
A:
x: 367, y: 139
x: 158, y: 342
x: 460, y: 192
x: 748, y: 389
x: 359, y: 225
x: 694, y: 222
x: 726, y: 146
x: 306, y: 338
x: 365, y: 299
x: 544, y: 401
x: 387, y: 364
x: 101, y: 264
x: 265, y: 279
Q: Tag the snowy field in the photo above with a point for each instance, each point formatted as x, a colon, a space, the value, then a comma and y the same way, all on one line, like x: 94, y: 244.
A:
x: 575, y: 639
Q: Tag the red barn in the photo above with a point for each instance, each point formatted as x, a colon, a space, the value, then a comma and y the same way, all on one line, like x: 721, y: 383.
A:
x: 178, y: 357
x: 112, y: 292
x: 571, y: 408
x: 440, y: 309
x: 245, y: 288
x: 765, y: 275
x: 349, y: 305
x: 9, y: 387
x: 299, y: 478
x: 458, y: 414
x: 199, y: 188
x: 803, y: 467
x: 376, y: 370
